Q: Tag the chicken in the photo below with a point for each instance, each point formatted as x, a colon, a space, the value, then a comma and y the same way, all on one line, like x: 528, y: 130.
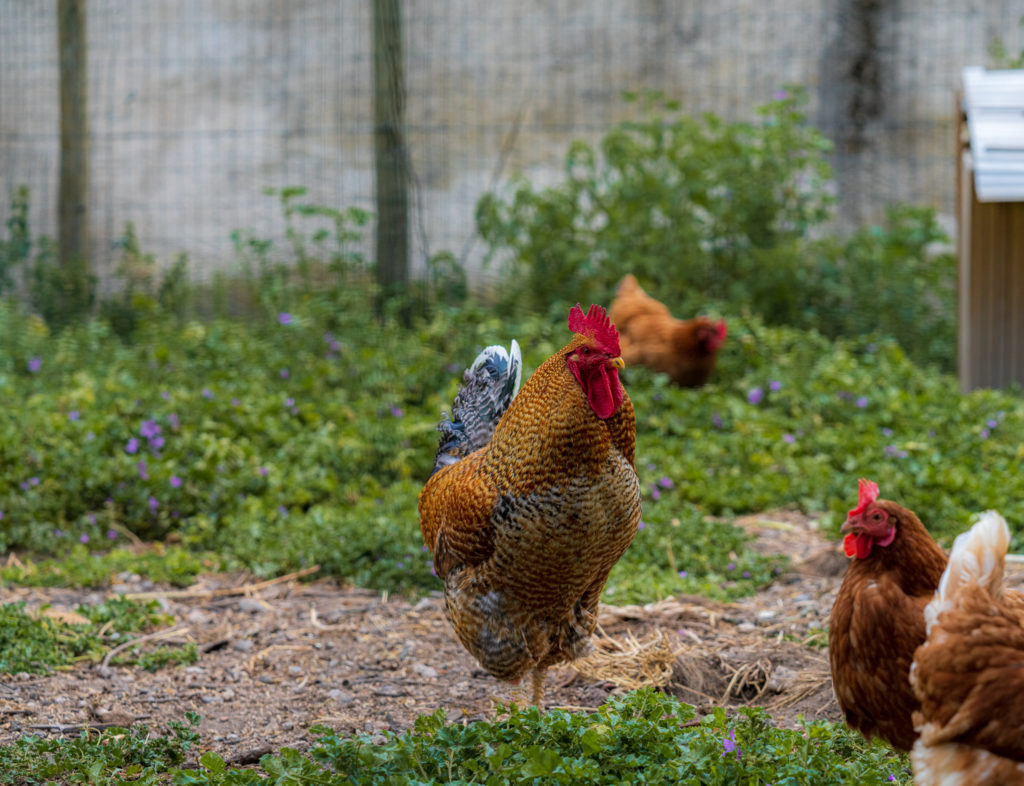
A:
x: 684, y: 349
x: 969, y: 674
x: 525, y: 524
x: 877, y: 620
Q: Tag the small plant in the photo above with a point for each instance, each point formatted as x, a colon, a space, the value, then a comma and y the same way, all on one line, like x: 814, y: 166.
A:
x: 16, y: 246
x: 36, y: 643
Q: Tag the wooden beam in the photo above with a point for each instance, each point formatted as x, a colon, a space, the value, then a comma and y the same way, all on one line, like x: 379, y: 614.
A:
x: 73, y: 191
x: 391, y: 157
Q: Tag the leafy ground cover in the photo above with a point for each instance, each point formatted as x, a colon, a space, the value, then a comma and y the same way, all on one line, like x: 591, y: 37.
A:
x: 645, y: 736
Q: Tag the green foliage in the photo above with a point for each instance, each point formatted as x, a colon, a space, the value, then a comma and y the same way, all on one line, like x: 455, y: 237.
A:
x: 305, y: 440
x: 62, y: 291
x: 141, y: 297
x: 684, y: 203
x: 114, y: 756
x: 645, y: 737
x: 712, y: 215
x: 37, y: 643
x: 1001, y: 58
x: 15, y: 247
x: 173, y: 565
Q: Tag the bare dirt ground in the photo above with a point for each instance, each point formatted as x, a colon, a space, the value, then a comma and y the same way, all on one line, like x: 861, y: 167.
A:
x: 278, y: 657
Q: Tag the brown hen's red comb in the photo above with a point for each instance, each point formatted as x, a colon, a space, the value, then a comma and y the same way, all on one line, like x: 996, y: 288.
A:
x: 595, y: 325
x: 868, y: 493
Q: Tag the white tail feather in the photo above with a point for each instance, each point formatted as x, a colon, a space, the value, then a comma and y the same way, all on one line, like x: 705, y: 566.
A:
x: 976, y: 560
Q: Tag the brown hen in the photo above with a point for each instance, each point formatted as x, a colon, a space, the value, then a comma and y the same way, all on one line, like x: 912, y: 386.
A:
x: 686, y: 350
x: 877, y: 620
x: 969, y: 674
x: 526, y: 523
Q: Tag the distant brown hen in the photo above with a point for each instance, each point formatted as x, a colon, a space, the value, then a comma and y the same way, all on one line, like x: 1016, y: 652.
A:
x: 684, y: 349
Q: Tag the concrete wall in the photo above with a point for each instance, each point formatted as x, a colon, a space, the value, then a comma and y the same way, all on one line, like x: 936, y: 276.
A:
x: 197, y: 105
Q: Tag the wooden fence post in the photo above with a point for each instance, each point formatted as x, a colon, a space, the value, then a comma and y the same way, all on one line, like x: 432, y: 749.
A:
x: 73, y: 193
x: 391, y: 157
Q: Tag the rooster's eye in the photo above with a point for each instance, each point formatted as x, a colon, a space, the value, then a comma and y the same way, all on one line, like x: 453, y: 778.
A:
x: 586, y: 350
x: 877, y: 517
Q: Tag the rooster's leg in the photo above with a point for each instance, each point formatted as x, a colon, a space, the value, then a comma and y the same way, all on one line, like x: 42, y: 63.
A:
x: 537, y: 678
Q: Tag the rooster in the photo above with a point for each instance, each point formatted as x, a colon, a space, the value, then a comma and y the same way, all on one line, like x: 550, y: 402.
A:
x: 684, y: 349
x: 877, y: 620
x: 969, y: 674
x: 533, y: 499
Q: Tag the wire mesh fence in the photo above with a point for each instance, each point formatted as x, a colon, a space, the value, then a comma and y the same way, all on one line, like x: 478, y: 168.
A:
x: 196, y: 106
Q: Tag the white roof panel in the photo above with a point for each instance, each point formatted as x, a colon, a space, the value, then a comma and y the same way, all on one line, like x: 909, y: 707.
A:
x: 994, y: 102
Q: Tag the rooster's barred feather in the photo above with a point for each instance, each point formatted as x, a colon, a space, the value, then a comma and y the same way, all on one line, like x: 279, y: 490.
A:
x: 487, y: 388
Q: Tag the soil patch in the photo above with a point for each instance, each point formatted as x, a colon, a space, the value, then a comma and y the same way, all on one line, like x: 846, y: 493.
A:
x: 278, y: 657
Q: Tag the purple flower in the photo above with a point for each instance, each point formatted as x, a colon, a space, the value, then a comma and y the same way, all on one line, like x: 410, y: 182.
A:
x: 651, y: 467
x: 74, y: 415
x: 235, y: 402
x: 23, y: 485
x: 35, y: 364
x: 284, y: 318
x: 655, y: 494
x: 282, y: 510
x: 58, y: 533
x: 780, y: 95
x: 111, y: 534
x: 208, y: 394
x: 156, y: 443
x: 285, y: 373
x: 399, y: 564
x: 1, y: 515
x: 984, y: 433
x: 788, y: 438
x: 992, y: 423
x: 642, y: 525
x: 149, y: 429
x: 731, y: 566
x: 666, y: 483
x: 775, y: 386
x: 175, y: 482
x: 891, y: 777
x: 143, y: 473
x: 396, y: 411
x: 746, y: 574
x: 683, y: 574
x: 887, y: 431
x: 33, y: 481
x: 289, y: 402
x: 132, y: 446
x: 153, y: 503
x: 729, y: 743
x: 755, y: 396
x: 84, y: 538
x: 716, y: 420
x: 92, y: 519
x: 263, y: 471
x: 862, y: 401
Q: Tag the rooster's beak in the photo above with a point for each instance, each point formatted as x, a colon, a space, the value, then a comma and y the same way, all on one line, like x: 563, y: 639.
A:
x: 617, y: 362
x: 848, y: 526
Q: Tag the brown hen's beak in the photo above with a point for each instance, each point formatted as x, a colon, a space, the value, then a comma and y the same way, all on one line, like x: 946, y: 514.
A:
x: 617, y: 362
x: 848, y: 526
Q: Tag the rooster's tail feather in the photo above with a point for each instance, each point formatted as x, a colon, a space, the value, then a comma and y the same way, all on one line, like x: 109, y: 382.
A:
x: 976, y: 560
x: 488, y: 387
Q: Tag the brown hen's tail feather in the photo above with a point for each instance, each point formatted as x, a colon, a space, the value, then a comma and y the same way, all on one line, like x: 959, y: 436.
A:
x: 977, y: 560
x: 488, y: 387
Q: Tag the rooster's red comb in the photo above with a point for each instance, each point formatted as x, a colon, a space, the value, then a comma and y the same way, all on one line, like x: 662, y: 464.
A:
x: 868, y: 493
x: 595, y: 325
